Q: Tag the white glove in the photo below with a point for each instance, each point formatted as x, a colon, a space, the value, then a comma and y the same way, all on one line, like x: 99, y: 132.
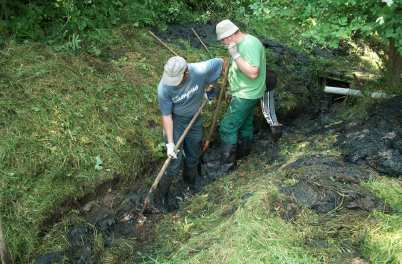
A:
x: 232, y: 48
x: 170, y: 150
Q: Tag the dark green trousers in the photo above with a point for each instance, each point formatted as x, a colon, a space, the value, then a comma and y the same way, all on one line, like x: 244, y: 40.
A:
x: 238, y: 120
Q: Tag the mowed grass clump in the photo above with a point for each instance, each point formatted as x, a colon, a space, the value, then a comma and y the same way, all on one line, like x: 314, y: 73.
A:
x: 70, y: 122
x: 231, y: 222
x: 239, y: 218
x: 383, y: 240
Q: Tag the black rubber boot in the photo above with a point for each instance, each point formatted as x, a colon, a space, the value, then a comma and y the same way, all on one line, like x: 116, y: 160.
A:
x: 276, y: 132
x: 244, y: 148
x: 188, y: 175
x: 159, y: 198
x: 192, y: 177
x: 228, y: 157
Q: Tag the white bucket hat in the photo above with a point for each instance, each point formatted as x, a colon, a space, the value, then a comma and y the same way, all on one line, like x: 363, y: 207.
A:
x: 225, y: 28
x: 174, y: 71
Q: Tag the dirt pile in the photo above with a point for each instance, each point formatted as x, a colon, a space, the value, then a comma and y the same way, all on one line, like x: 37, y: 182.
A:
x: 184, y: 32
x: 326, y: 183
x: 376, y: 141
x: 299, y: 85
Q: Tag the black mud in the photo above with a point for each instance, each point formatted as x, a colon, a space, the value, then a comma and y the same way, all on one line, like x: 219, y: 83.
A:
x: 177, y: 33
x: 376, y: 141
x: 325, y: 183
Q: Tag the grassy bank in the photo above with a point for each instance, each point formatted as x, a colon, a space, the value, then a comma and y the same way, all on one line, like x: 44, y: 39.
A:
x: 70, y: 122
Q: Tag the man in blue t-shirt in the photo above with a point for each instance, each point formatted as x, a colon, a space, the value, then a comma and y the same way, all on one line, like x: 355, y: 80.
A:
x: 180, y: 95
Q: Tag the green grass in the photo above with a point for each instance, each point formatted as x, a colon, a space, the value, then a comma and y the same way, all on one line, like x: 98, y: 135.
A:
x: 383, y: 241
x: 63, y: 115
x: 59, y: 112
x: 222, y: 225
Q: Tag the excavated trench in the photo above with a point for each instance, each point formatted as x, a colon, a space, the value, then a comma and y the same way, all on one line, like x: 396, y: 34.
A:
x: 323, y: 183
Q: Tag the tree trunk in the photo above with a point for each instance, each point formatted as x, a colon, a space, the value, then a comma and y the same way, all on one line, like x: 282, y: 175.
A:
x: 4, y: 256
x: 394, y: 66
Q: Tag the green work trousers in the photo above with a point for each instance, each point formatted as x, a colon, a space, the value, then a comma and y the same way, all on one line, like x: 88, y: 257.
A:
x: 238, y: 120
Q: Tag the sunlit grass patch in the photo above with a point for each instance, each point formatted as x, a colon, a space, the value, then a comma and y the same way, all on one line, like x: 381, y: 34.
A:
x: 66, y: 128
x: 248, y: 235
x: 383, y: 241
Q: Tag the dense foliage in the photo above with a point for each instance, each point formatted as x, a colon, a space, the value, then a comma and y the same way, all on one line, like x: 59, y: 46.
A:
x: 82, y: 24
x: 36, y: 19
x: 331, y: 22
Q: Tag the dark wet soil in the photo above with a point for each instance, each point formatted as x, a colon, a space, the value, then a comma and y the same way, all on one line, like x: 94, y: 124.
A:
x: 376, y: 141
x: 178, y: 33
x: 119, y: 214
x: 325, y: 183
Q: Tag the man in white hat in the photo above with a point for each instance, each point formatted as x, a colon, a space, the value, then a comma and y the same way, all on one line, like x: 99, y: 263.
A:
x: 180, y: 95
x: 246, y: 78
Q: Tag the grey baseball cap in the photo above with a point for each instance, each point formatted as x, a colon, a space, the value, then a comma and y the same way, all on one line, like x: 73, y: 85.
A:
x: 173, y: 71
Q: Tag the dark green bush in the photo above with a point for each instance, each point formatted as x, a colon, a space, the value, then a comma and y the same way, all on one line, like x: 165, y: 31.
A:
x: 60, y: 19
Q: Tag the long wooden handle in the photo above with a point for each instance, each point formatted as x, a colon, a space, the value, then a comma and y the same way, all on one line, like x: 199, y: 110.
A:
x: 163, y: 43
x: 159, y: 176
x: 169, y: 159
x: 215, y: 117
x: 199, y: 38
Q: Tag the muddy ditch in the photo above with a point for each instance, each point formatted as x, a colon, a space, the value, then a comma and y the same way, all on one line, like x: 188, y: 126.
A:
x: 321, y: 183
x: 116, y: 212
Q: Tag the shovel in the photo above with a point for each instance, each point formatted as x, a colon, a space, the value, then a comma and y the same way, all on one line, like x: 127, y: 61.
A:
x: 220, y: 98
x: 169, y: 159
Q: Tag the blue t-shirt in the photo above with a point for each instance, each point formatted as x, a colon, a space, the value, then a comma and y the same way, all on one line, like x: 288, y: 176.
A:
x: 186, y: 99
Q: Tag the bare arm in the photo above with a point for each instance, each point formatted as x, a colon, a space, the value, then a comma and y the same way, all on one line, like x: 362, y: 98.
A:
x: 167, y: 123
x: 249, y: 70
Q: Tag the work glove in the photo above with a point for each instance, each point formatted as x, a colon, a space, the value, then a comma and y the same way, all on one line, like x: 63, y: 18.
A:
x: 170, y: 150
x: 232, y: 48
